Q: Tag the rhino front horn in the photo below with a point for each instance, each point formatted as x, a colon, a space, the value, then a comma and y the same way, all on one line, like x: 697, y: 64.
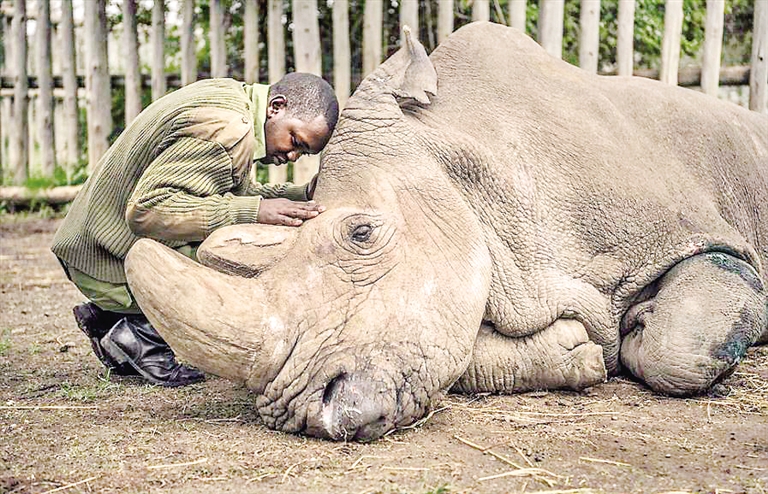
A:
x: 208, y: 318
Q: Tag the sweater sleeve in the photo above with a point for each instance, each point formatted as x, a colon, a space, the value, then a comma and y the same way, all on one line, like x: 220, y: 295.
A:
x: 185, y: 194
x: 271, y: 191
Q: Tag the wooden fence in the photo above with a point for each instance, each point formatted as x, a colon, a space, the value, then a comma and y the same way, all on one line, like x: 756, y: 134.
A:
x: 39, y: 109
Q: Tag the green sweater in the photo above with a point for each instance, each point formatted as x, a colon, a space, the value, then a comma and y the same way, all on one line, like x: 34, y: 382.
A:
x: 177, y: 173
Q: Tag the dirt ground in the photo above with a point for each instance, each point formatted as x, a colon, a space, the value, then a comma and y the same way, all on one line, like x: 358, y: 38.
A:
x: 65, y: 427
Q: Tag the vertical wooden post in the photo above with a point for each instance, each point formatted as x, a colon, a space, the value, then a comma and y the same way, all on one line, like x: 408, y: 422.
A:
x: 97, y: 83
x: 409, y: 16
x: 218, y: 48
x: 69, y: 80
x: 758, y: 76
x: 251, y: 41
x: 342, y: 60
x: 158, y: 49
x: 188, y: 56
x: 713, y: 46
x: 551, y: 26
x: 132, y: 70
x: 625, y: 44
x: 444, y: 19
x: 308, y: 58
x: 670, y: 48
x: 589, y: 39
x: 3, y: 58
x: 20, y: 138
x: 275, y: 41
x: 276, y: 54
x: 517, y: 14
x: 372, y: 31
x: 481, y: 10
x: 45, y: 83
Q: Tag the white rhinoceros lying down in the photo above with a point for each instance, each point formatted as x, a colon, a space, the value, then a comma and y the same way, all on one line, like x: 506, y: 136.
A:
x: 526, y: 226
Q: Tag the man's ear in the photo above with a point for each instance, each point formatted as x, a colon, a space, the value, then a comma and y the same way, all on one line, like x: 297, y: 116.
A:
x: 276, y: 105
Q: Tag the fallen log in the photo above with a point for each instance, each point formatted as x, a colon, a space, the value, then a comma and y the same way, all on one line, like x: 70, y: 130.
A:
x: 24, y: 197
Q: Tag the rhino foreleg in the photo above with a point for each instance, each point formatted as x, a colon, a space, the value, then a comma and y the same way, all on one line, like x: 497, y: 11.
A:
x: 705, y: 312
x: 560, y: 356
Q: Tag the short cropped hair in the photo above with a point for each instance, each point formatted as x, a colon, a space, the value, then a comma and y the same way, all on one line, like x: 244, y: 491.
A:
x: 307, y: 96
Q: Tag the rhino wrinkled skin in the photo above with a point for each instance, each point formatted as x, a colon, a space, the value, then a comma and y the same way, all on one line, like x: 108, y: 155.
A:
x: 498, y: 220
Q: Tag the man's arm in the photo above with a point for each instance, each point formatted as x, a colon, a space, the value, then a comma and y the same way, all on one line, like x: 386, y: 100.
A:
x: 185, y: 194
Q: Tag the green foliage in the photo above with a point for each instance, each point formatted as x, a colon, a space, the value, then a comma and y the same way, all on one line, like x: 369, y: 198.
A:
x: 61, y: 176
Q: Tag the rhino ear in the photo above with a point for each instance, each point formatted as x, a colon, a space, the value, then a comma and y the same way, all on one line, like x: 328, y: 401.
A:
x: 410, y: 72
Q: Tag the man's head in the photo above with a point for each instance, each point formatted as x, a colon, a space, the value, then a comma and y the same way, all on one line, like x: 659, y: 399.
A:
x: 301, y: 115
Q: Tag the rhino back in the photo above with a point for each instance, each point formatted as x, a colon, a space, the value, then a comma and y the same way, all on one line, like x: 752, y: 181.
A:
x: 607, y: 180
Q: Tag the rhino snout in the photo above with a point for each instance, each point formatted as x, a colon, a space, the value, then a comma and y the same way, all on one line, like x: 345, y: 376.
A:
x: 355, y: 408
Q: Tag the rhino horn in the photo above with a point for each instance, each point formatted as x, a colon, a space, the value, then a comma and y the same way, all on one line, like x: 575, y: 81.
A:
x: 247, y: 250
x: 191, y: 307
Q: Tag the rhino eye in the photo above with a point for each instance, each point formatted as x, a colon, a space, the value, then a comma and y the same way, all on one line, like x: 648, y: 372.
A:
x: 362, y: 233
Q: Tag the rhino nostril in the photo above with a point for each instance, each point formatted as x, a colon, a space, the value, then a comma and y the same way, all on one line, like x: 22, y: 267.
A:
x: 331, y: 387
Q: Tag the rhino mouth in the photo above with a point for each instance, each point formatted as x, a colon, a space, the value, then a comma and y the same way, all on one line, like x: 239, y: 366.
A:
x: 344, y: 402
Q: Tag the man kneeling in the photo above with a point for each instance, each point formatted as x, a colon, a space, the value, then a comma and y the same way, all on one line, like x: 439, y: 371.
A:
x: 177, y: 173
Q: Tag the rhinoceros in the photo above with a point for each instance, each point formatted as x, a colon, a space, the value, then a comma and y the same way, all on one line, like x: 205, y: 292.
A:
x: 497, y: 221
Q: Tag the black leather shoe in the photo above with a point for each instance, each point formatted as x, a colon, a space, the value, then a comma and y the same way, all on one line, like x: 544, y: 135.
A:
x: 135, y: 342
x: 95, y: 323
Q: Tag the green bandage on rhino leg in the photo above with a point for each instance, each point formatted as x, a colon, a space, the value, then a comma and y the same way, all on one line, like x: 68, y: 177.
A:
x: 705, y: 313
x: 561, y: 356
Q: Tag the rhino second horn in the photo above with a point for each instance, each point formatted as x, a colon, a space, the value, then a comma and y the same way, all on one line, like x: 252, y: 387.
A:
x: 246, y: 250
x: 208, y: 318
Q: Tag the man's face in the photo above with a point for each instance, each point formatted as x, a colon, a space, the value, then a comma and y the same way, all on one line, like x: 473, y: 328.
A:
x: 287, y: 137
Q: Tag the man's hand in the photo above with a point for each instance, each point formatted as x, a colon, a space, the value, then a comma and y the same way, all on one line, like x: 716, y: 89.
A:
x: 287, y: 212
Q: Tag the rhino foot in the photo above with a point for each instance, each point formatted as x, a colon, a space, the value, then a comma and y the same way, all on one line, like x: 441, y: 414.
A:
x: 559, y: 357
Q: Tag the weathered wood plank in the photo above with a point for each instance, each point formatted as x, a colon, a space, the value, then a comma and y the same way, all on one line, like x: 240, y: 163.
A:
x: 45, y: 95
x: 481, y: 10
x: 372, y: 32
x: 20, y: 137
x: 158, y: 49
x: 308, y: 58
x: 758, y: 81
x: 713, y: 46
x: 132, y: 71
x: 188, y: 57
x: 589, y: 38
x: 551, y: 26
x: 444, y: 19
x: 69, y: 83
x: 216, y: 35
x: 251, y: 41
x: 24, y: 197
x: 97, y: 80
x: 342, y: 58
x: 625, y: 45
x: 670, y: 46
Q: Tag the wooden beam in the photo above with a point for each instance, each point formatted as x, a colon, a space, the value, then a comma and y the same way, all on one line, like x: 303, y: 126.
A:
x: 670, y: 45
x: 188, y: 57
x: 713, y: 46
x: 551, y: 26
x: 758, y: 82
x: 68, y: 81
x: 159, y: 85
x: 20, y: 136
x: 24, y: 197
x: 625, y: 37
x: 342, y: 60
x: 589, y: 39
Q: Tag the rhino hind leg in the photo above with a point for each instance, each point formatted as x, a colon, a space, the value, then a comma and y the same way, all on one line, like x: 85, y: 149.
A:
x: 703, y: 315
x: 558, y: 357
